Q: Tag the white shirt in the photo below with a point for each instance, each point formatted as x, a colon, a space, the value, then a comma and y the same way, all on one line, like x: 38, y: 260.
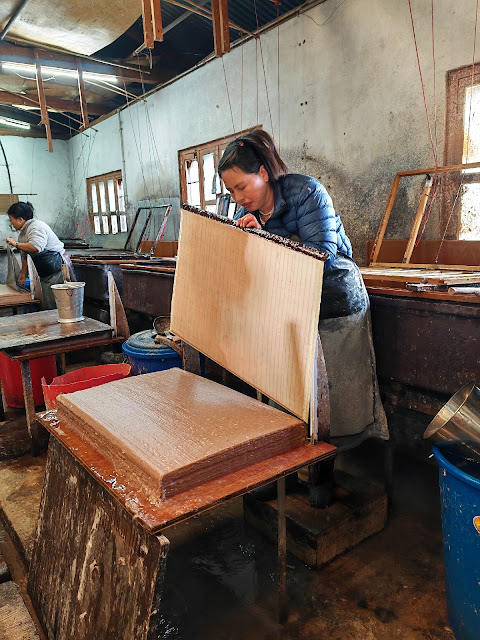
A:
x: 39, y: 235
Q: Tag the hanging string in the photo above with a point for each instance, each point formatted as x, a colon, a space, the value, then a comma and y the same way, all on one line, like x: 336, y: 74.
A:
x: 263, y: 65
x: 468, y: 137
x: 278, y: 71
x: 256, y: 71
x: 241, y: 93
x: 228, y: 95
x: 434, y: 82
x: 423, y: 86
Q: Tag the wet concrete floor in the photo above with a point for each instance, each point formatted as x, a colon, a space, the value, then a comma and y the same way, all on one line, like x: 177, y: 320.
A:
x: 221, y: 581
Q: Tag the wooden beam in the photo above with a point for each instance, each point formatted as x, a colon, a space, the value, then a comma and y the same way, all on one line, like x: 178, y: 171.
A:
x: 157, y: 20
x: 147, y: 24
x: 205, y: 13
x: 15, y: 53
x: 221, y: 32
x: 55, y: 104
x: 43, y: 105
x: 82, y: 96
x: 418, y: 220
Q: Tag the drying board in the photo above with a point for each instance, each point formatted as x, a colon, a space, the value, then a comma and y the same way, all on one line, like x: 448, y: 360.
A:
x: 251, y: 304
x: 10, y: 296
x: 171, y: 430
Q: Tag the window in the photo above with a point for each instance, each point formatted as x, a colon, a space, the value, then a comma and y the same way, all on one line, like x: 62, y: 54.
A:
x: 199, y: 181
x: 106, y: 201
x: 461, y: 200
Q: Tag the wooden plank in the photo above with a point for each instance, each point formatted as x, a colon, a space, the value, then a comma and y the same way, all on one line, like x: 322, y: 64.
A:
x: 418, y: 220
x: 43, y: 105
x: 444, y: 169
x: 231, y: 287
x: 451, y: 253
x: 118, y: 318
x: 82, y: 96
x: 108, y: 571
x: 15, y: 621
x: 156, y: 12
x: 441, y: 267
x: 193, y: 429
x: 385, y: 218
x: 10, y: 296
x: 177, y: 508
x: 432, y: 295
x: 147, y: 24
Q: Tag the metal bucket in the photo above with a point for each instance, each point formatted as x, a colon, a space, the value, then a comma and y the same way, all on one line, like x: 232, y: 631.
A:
x: 69, y: 300
x: 459, y: 419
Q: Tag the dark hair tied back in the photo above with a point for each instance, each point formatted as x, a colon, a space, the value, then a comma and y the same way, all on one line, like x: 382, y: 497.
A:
x: 252, y: 150
x: 23, y: 210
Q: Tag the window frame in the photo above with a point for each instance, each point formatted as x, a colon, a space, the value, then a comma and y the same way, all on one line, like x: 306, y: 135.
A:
x: 198, y: 152
x: 117, y: 177
x: 457, y: 82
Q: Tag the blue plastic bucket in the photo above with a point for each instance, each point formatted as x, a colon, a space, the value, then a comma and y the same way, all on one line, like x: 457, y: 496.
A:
x: 145, y: 356
x: 460, y: 500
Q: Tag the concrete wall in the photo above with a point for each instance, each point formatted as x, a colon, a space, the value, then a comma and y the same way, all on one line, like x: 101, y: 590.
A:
x: 34, y: 170
x: 348, y: 109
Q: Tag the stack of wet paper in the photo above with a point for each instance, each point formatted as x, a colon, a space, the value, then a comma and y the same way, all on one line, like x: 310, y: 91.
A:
x: 171, y: 430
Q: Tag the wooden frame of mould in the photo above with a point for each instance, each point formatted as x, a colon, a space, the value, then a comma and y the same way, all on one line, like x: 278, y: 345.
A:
x: 419, y: 215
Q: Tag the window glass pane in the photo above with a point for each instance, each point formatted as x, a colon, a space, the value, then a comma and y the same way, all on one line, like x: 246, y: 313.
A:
x: 211, y: 207
x: 193, y: 185
x: 471, y: 137
x: 103, y: 202
x: 123, y: 223
x: 209, y: 176
x: 121, y: 195
x: 105, y: 224
x: 111, y: 195
x: 114, y: 224
x: 96, y: 224
x: 470, y: 212
x: 93, y: 188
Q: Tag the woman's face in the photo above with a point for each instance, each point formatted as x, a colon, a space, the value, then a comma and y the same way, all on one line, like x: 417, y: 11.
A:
x: 250, y: 190
x: 17, y: 223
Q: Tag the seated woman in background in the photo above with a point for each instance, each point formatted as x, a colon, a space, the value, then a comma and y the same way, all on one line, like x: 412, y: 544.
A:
x: 298, y: 207
x: 41, y: 243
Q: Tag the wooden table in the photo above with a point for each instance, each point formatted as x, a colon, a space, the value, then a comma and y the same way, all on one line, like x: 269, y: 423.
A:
x: 12, y: 299
x: 36, y: 335
x: 111, y: 556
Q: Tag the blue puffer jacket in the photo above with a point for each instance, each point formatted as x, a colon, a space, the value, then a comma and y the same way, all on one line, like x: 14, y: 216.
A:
x: 304, y: 209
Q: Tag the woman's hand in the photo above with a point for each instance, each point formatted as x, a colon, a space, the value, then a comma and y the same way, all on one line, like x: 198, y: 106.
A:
x: 11, y: 241
x: 21, y: 278
x: 248, y: 222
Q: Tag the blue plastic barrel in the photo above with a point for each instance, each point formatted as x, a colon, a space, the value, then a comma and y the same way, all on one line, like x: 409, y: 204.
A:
x: 460, y: 499
x: 145, y: 356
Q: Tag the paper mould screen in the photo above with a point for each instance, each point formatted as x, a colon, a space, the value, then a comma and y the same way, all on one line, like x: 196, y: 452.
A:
x: 249, y: 304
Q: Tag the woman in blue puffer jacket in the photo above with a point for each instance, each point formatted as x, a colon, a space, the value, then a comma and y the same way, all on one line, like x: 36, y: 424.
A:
x: 298, y: 207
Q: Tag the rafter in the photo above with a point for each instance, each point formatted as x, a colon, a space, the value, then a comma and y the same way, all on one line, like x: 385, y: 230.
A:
x: 27, y: 54
x: 54, y: 104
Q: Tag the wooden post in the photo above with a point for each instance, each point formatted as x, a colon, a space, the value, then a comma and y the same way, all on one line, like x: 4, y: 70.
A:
x: 157, y: 20
x: 221, y: 33
x: 33, y: 428
x: 282, y: 551
x: 418, y: 220
x: 147, y: 23
x: 386, y: 216
x: 43, y: 103
x: 82, y: 95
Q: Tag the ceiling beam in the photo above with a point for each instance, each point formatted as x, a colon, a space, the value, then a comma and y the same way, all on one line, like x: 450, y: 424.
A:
x: 27, y: 55
x: 55, y: 104
x: 181, y: 18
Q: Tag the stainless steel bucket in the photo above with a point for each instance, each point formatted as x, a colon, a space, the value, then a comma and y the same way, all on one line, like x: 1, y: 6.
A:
x: 69, y: 300
x: 459, y: 419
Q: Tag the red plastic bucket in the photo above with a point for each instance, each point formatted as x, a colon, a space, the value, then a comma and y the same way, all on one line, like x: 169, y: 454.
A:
x: 11, y: 376
x: 82, y: 379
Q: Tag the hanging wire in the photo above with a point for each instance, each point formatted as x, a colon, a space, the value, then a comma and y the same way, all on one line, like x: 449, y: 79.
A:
x: 241, y: 93
x: 468, y: 138
x: 263, y: 66
x: 228, y: 95
x: 278, y: 71
x: 423, y: 86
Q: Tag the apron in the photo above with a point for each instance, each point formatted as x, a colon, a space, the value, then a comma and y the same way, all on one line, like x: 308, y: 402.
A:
x: 356, y: 410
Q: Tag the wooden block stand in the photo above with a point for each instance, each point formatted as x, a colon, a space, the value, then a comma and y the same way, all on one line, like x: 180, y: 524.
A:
x: 316, y: 536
